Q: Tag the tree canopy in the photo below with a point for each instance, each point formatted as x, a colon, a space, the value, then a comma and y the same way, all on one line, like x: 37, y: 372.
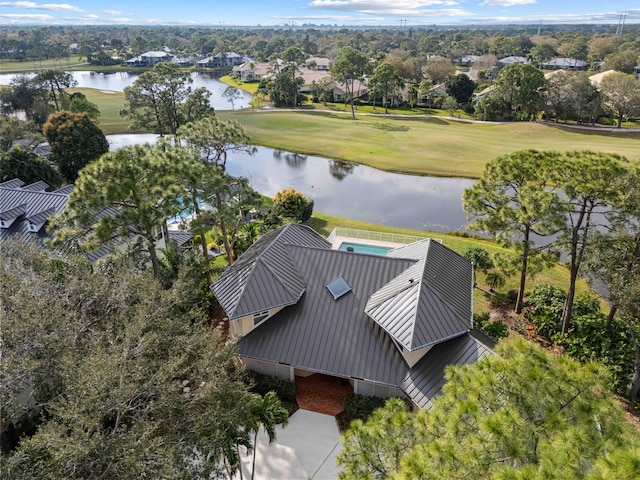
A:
x: 119, y: 376
x: 519, y: 414
x: 76, y: 140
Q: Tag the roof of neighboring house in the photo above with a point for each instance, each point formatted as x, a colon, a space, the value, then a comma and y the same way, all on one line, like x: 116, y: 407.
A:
x: 319, y: 61
x: 597, y: 78
x: 418, y: 296
x: 513, y: 59
x: 309, y: 75
x: 564, y: 63
x: 30, y: 203
x: 469, y: 59
x: 155, y: 54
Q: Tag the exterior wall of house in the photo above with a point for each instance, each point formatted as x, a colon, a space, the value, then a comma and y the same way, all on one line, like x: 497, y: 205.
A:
x: 376, y: 389
x: 268, y: 368
x: 243, y: 325
x: 414, y: 357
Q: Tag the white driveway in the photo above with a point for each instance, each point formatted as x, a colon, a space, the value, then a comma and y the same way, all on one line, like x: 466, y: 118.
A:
x: 305, y: 448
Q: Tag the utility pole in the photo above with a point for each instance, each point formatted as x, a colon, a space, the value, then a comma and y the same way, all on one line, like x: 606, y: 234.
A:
x: 623, y: 18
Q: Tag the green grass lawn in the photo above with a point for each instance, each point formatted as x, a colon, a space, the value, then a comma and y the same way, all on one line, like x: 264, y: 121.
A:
x: 426, y: 145
x: 558, y: 275
x: 109, y: 103
x: 12, y: 66
x: 419, y: 145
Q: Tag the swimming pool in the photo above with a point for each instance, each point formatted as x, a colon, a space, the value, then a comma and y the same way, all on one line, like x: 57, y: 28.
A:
x: 362, y: 248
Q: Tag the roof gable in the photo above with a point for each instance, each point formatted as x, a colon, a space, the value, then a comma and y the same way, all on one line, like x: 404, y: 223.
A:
x: 264, y: 277
x: 429, y: 302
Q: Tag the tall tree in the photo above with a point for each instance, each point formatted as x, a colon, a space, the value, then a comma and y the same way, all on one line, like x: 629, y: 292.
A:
x: 231, y: 94
x: 124, y: 375
x: 590, y: 182
x: 56, y: 81
x: 348, y: 68
x: 373, y: 449
x: 161, y: 100
x: 293, y: 57
x: 514, y: 200
x: 385, y: 81
x: 461, y: 87
x: 213, y: 139
x: 621, y: 95
x: 522, y: 85
x: 131, y: 191
x: 76, y: 140
x: 438, y: 69
x: 522, y: 413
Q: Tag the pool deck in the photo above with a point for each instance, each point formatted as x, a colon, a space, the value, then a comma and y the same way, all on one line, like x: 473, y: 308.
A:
x: 337, y: 241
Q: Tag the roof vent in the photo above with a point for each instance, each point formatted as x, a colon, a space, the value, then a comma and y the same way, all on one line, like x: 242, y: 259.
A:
x: 338, y: 287
x: 411, y: 280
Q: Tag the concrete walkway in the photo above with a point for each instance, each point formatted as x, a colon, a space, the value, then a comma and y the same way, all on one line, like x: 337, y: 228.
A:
x: 305, y: 448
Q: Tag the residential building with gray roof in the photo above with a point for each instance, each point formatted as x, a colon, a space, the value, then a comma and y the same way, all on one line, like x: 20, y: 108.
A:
x: 387, y: 324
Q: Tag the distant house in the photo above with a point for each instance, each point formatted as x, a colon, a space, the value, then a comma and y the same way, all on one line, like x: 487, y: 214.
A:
x: 339, y: 91
x: 318, y: 63
x: 223, y: 60
x: 636, y: 69
x: 387, y: 325
x: 309, y: 76
x: 26, y: 209
x: 564, y: 64
x: 467, y: 60
x: 252, y: 71
x: 512, y: 60
x: 148, y: 59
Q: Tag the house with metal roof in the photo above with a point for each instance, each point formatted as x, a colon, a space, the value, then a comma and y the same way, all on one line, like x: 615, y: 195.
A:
x: 389, y: 325
x: 25, y: 211
x: 564, y: 64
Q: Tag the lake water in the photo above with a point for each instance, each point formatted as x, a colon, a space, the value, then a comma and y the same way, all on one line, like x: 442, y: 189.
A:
x: 118, y: 81
x: 346, y: 189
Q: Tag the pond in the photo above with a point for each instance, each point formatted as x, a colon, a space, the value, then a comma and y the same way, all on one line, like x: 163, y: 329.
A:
x: 118, y: 81
x: 346, y: 189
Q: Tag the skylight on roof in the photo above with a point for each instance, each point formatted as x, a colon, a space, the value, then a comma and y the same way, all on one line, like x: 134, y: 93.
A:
x: 338, y: 287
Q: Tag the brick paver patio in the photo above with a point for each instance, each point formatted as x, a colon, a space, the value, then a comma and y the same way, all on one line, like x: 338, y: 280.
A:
x: 322, y: 393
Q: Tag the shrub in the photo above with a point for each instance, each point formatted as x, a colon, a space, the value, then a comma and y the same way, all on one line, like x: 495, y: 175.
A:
x: 290, y: 203
x: 495, y: 329
x: 262, y: 384
x: 360, y: 407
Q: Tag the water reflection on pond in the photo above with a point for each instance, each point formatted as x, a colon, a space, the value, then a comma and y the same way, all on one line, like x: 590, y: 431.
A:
x: 118, y: 81
x: 348, y: 190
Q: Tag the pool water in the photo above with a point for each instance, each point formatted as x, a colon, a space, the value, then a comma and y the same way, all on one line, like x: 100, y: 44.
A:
x: 368, y: 249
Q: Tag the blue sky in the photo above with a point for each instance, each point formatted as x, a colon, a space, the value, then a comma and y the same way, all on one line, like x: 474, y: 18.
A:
x: 298, y: 12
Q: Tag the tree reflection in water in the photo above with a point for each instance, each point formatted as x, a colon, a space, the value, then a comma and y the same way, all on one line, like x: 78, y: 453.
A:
x: 340, y: 169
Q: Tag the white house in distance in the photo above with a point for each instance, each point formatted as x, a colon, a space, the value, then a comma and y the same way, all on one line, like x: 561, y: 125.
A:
x: 223, y: 60
x: 149, y: 59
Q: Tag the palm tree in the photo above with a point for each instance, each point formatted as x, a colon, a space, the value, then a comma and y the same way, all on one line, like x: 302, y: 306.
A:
x: 267, y: 413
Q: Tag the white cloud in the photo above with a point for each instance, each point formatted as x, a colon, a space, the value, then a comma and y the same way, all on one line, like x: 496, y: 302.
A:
x: 506, y: 3
x: 42, y: 6
x: 380, y: 6
x: 112, y: 12
x: 27, y: 16
x: 568, y: 18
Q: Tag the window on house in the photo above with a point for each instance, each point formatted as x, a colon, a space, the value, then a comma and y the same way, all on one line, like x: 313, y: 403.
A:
x: 258, y: 318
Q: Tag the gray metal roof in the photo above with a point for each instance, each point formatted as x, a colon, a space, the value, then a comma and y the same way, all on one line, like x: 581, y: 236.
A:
x: 39, y: 206
x: 264, y: 277
x: 426, y: 379
x: 336, y: 336
x: 38, y: 186
x: 428, y: 303
x: 332, y: 336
